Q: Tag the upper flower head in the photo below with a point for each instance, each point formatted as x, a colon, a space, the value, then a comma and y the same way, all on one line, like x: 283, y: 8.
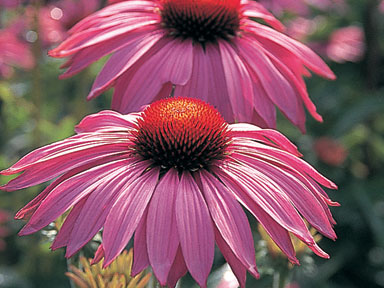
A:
x: 207, y: 49
x: 201, y: 20
x: 180, y: 193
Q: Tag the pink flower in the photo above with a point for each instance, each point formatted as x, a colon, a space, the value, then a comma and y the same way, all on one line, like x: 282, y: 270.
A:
x: 13, y: 52
x: 178, y: 176
x: 55, y: 20
x: 330, y: 151
x: 242, y: 67
x: 346, y: 44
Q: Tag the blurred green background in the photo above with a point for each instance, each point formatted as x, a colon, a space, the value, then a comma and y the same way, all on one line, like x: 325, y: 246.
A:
x: 36, y: 109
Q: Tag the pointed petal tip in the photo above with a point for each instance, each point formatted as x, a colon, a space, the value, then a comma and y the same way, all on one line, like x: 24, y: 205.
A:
x: 27, y: 230
x: 318, y: 251
x: 254, y: 272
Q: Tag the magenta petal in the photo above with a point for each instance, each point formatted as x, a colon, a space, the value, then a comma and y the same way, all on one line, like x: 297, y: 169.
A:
x: 300, y: 195
x: 162, y: 238
x: 126, y: 214
x: 178, y: 269
x: 277, y: 233
x: 122, y: 60
x: 238, y: 82
x: 108, y: 121
x: 63, y: 236
x: 67, y: 194
x: 99, y: 254
x: 27, y: 211
x: 306, y: 55
x: 140, y: 254
x: 98, y: 205
x: 270, y: 137
x: 195, y: 229
x: 237, y: 267
x: 230, y: 219
x: 169, y: 62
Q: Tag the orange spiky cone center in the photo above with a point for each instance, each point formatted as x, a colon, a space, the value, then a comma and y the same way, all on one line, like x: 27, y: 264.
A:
x: 183, y: 133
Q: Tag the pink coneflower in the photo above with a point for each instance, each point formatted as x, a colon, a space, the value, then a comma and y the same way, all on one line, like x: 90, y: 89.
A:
x: 207, y: 49
x: 346, y: 44
x: 13, y: 52
x: 178, y: 176
x: 330, y: 151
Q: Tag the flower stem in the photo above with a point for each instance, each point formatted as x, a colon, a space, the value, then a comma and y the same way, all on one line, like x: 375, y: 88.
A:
x: 281, y: 277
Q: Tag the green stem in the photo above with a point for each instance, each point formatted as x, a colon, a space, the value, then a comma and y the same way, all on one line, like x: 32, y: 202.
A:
x: 281, y: 277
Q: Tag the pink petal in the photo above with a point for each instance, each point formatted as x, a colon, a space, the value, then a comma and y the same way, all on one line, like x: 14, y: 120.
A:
x: 178, y: 269
x: 272, y: 200
x: 277, y: 233
x: 300, y: 195
x: 67, y: 194
x: 307, y: 56
x: 122, y: 60
x: 126, y: 213
x: 140, y: 254
x: 98, y: 205
x: 31, y: 207
x: 64, y: 233
x: 172, y: 62
x: 267, y: 136
x: 195, y: 229
x: 230, y: 219
x: 208, y: 80
x: 99, y: 254
x: 256, y: 10
x: 278, y: 89
x: 238, y: 82
x: 162, y: 238
x: 108, y: 121
x: 237, y: 267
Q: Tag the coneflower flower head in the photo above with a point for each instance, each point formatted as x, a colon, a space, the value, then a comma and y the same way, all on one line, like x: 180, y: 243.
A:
x: 177, y: 177
x: 208, y: 49
x: 181, y: 133
x: 201, y: 20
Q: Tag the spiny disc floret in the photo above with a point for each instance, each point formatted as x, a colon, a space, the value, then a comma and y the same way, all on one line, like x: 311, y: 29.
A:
x: 181, y: 133
x: 202, y: 20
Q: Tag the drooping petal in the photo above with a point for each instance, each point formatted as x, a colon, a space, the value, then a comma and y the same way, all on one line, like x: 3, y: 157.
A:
x: 195, y: 229
x: 208, y: 80
x: 52, y: 160
x: 172, y: 62
x: 238, y: 82
x: 178, y: 269
x: 63, y: 235
x: 237, y: 267
x: 140, y: 251
x: 300, y: 195
x: 270, y: 137
x: 97, y: 207
x: 68, y: 193
x: 277, y: 232
x: 122, y: 60
x: 230, y: 220
x: 126, y: 214
x: 307, y: 56
x: 27, y: 211
x: 162, y: 237
x: 278, y: 89
x: 273, y: 201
